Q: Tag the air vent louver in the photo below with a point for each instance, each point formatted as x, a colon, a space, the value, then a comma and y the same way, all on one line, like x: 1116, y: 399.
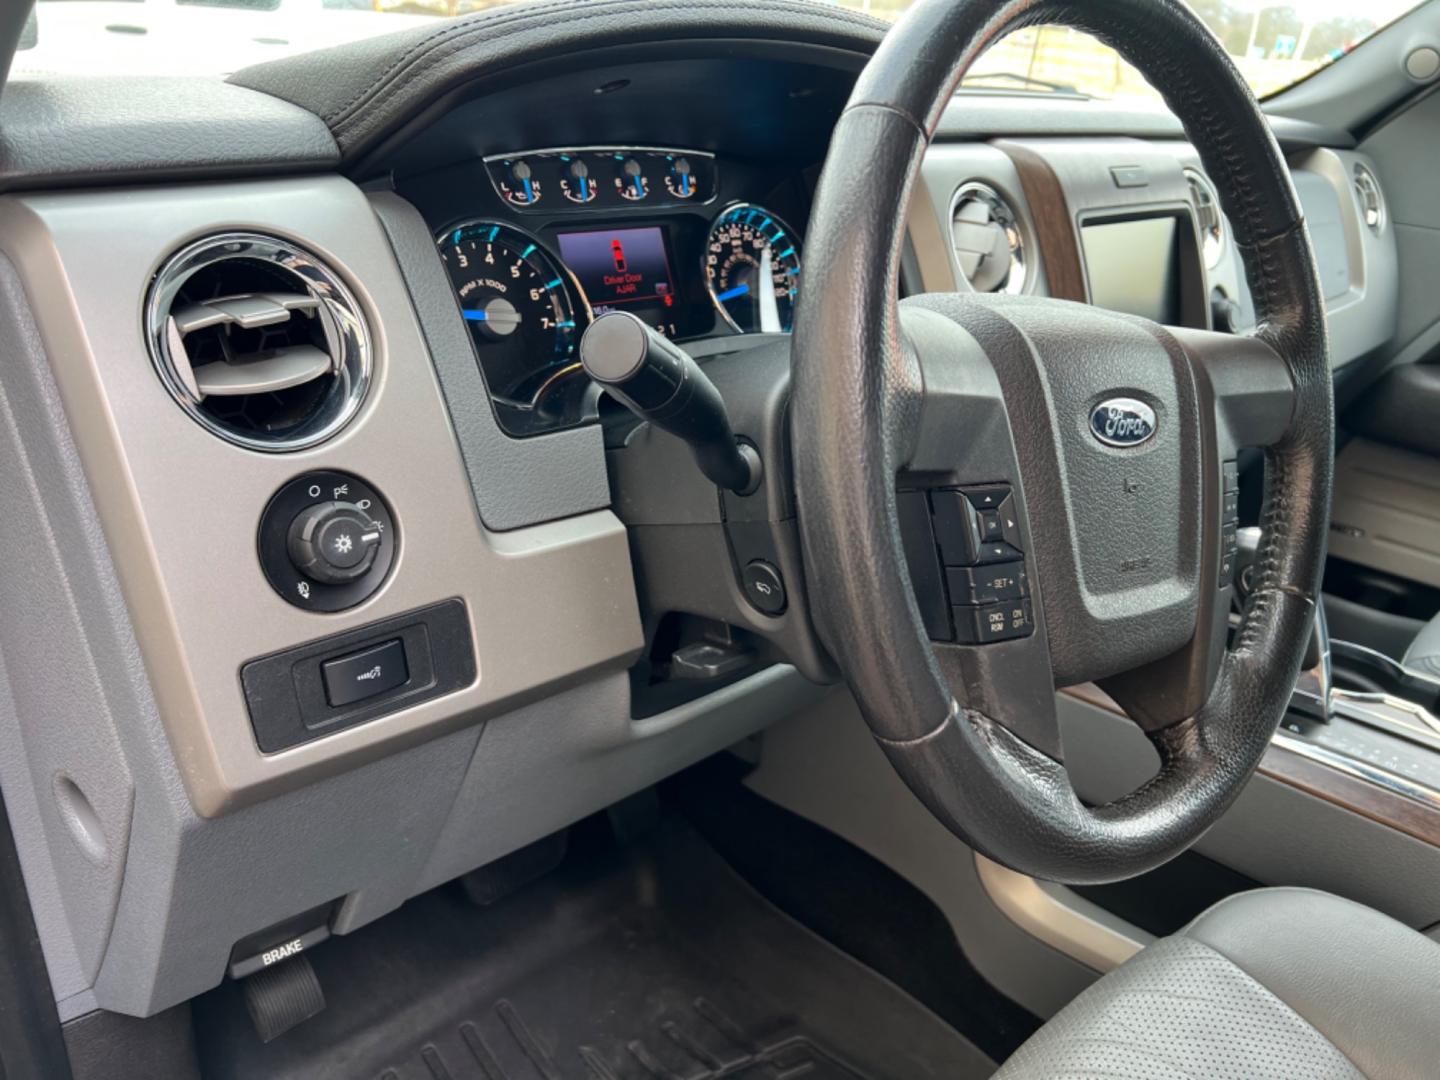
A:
x: 258, y: 341
x: 989, y: 242
x: 1208, y: 217
x: 1372, y: 205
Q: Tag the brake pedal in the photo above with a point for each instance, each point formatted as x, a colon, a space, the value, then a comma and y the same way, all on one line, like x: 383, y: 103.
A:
x: 282, y: 996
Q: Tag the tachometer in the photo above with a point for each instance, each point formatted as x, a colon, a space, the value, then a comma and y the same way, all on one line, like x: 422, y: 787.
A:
x: 524, y: 310
x: 752, y: 268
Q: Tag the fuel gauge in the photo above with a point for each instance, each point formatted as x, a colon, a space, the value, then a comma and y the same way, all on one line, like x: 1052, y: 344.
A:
x: 630, y: 182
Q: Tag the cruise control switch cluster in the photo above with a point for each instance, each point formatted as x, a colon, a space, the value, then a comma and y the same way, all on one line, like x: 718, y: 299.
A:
x: 1229, y: 522
x: 967, y: 563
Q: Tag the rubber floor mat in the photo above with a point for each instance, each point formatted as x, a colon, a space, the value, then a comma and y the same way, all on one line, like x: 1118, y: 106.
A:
x: 653, y: 961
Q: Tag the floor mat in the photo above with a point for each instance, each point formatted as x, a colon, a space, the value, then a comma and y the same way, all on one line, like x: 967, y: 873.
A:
x: 651, y: 961
x: 850, y: 899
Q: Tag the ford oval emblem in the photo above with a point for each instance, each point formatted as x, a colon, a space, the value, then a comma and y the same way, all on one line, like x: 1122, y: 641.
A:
x: 1122, y: 421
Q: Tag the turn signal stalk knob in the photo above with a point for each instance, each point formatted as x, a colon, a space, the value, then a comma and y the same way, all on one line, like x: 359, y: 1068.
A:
x: 660, y: 382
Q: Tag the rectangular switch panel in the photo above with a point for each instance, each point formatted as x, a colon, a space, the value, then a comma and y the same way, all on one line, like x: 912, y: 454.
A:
x: 337, y: 682
x: 967, y: 563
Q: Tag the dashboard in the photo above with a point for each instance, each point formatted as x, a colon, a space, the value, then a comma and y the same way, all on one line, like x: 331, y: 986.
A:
x: 549, y: 239
x: 425, y: 266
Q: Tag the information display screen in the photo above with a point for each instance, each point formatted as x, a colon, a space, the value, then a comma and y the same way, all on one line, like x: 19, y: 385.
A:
x: 620, y: 266
x: 1134, y: 266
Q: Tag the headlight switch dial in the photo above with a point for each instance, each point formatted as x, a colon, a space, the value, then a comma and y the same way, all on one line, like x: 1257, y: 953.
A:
x: 327, y: 541
x: 334, y: 542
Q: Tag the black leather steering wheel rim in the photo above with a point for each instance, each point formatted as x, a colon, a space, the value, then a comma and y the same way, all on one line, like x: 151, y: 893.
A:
x: 856, y: 399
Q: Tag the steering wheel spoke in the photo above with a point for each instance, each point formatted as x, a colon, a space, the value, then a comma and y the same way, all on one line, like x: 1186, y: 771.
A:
x: 1247, y: 400
x: 967, y: 536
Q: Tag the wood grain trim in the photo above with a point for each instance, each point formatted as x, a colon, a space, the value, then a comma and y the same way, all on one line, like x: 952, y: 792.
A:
x: 1359, y: 796
x: 1055, y: 231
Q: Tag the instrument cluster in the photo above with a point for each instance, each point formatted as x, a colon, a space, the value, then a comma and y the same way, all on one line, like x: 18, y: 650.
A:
x: 608, y: 228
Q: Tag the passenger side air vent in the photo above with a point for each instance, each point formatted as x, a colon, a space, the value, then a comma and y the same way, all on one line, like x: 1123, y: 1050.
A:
x: 989, y: 240
x: 259, y: 341
x: 1208, y: 218
x: 1372, y: 204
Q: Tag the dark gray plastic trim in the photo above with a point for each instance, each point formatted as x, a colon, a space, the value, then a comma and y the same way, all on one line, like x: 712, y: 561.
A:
x: 124, y: 677
x: 66, y: 131
x: 516, y: 482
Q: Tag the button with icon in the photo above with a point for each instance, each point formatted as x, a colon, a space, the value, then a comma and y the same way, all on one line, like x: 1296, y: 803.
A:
x: 764, y: 587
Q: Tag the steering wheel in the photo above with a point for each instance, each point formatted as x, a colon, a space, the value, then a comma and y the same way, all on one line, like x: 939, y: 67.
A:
x: 1123, y: 538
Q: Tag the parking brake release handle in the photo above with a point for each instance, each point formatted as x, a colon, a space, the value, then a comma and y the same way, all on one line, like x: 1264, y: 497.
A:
x: 660, y: 382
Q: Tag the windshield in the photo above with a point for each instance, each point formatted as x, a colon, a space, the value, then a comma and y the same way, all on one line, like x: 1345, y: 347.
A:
x: 1275, y: 45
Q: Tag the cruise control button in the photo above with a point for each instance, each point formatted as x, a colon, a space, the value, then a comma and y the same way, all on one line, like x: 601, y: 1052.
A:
x: 988, y: 584
x: 1227, y: 569
x: 365, y: 674
x: 1229, y: 540
x: 1230, y: 507
x: 993, y: 622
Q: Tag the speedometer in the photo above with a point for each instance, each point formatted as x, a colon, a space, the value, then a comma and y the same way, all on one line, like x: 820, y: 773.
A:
x: 752, y: 268
x: 525, y: 314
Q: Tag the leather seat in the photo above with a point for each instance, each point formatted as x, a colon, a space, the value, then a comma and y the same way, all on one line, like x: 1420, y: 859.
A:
x: 1424, y: 652
x: 1266, y: 984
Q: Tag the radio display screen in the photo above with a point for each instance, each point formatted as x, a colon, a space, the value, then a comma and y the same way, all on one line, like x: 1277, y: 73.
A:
x: 1134, y: 266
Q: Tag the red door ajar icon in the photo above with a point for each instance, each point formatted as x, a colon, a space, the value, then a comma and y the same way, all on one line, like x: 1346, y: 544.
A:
x: 617, y: 249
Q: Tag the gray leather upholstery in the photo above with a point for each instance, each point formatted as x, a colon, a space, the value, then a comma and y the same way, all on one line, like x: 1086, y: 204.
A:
x: 1271, y: 983
x: 1424, y: 652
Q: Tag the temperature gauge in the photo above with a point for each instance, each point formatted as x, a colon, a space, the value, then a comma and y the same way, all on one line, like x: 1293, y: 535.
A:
x: 576, y: 183
x: 680, y: 179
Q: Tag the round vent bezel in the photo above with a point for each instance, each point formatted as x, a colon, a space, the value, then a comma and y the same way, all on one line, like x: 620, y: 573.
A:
x: 1023, y: 271
x: 1214, y: 242
x: 345, y: 329
x: 1362, y: 177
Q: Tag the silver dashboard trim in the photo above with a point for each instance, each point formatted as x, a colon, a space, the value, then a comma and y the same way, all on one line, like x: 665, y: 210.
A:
x: 573, y: 209
x: 180, y: 508
x: 353, y: 366
x: 1358, y: 769
x: 1022, y: 277
x: 1061, y: 917
x: 598, y: 150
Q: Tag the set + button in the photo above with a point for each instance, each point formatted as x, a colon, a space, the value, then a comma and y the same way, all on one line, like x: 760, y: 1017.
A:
x: 1229, y: 521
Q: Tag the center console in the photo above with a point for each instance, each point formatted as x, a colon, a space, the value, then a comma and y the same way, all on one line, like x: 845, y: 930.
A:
x: 1386, y: 736
x: 1365, y: 741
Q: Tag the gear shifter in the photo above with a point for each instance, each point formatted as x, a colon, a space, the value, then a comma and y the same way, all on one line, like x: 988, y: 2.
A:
x: 660, y: 382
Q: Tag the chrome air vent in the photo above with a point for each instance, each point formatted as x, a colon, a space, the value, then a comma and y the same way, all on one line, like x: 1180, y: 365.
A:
x: 258, y: 341
x: 989, y: 240
x: 1372, y: 204
x: 1208, y: 218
